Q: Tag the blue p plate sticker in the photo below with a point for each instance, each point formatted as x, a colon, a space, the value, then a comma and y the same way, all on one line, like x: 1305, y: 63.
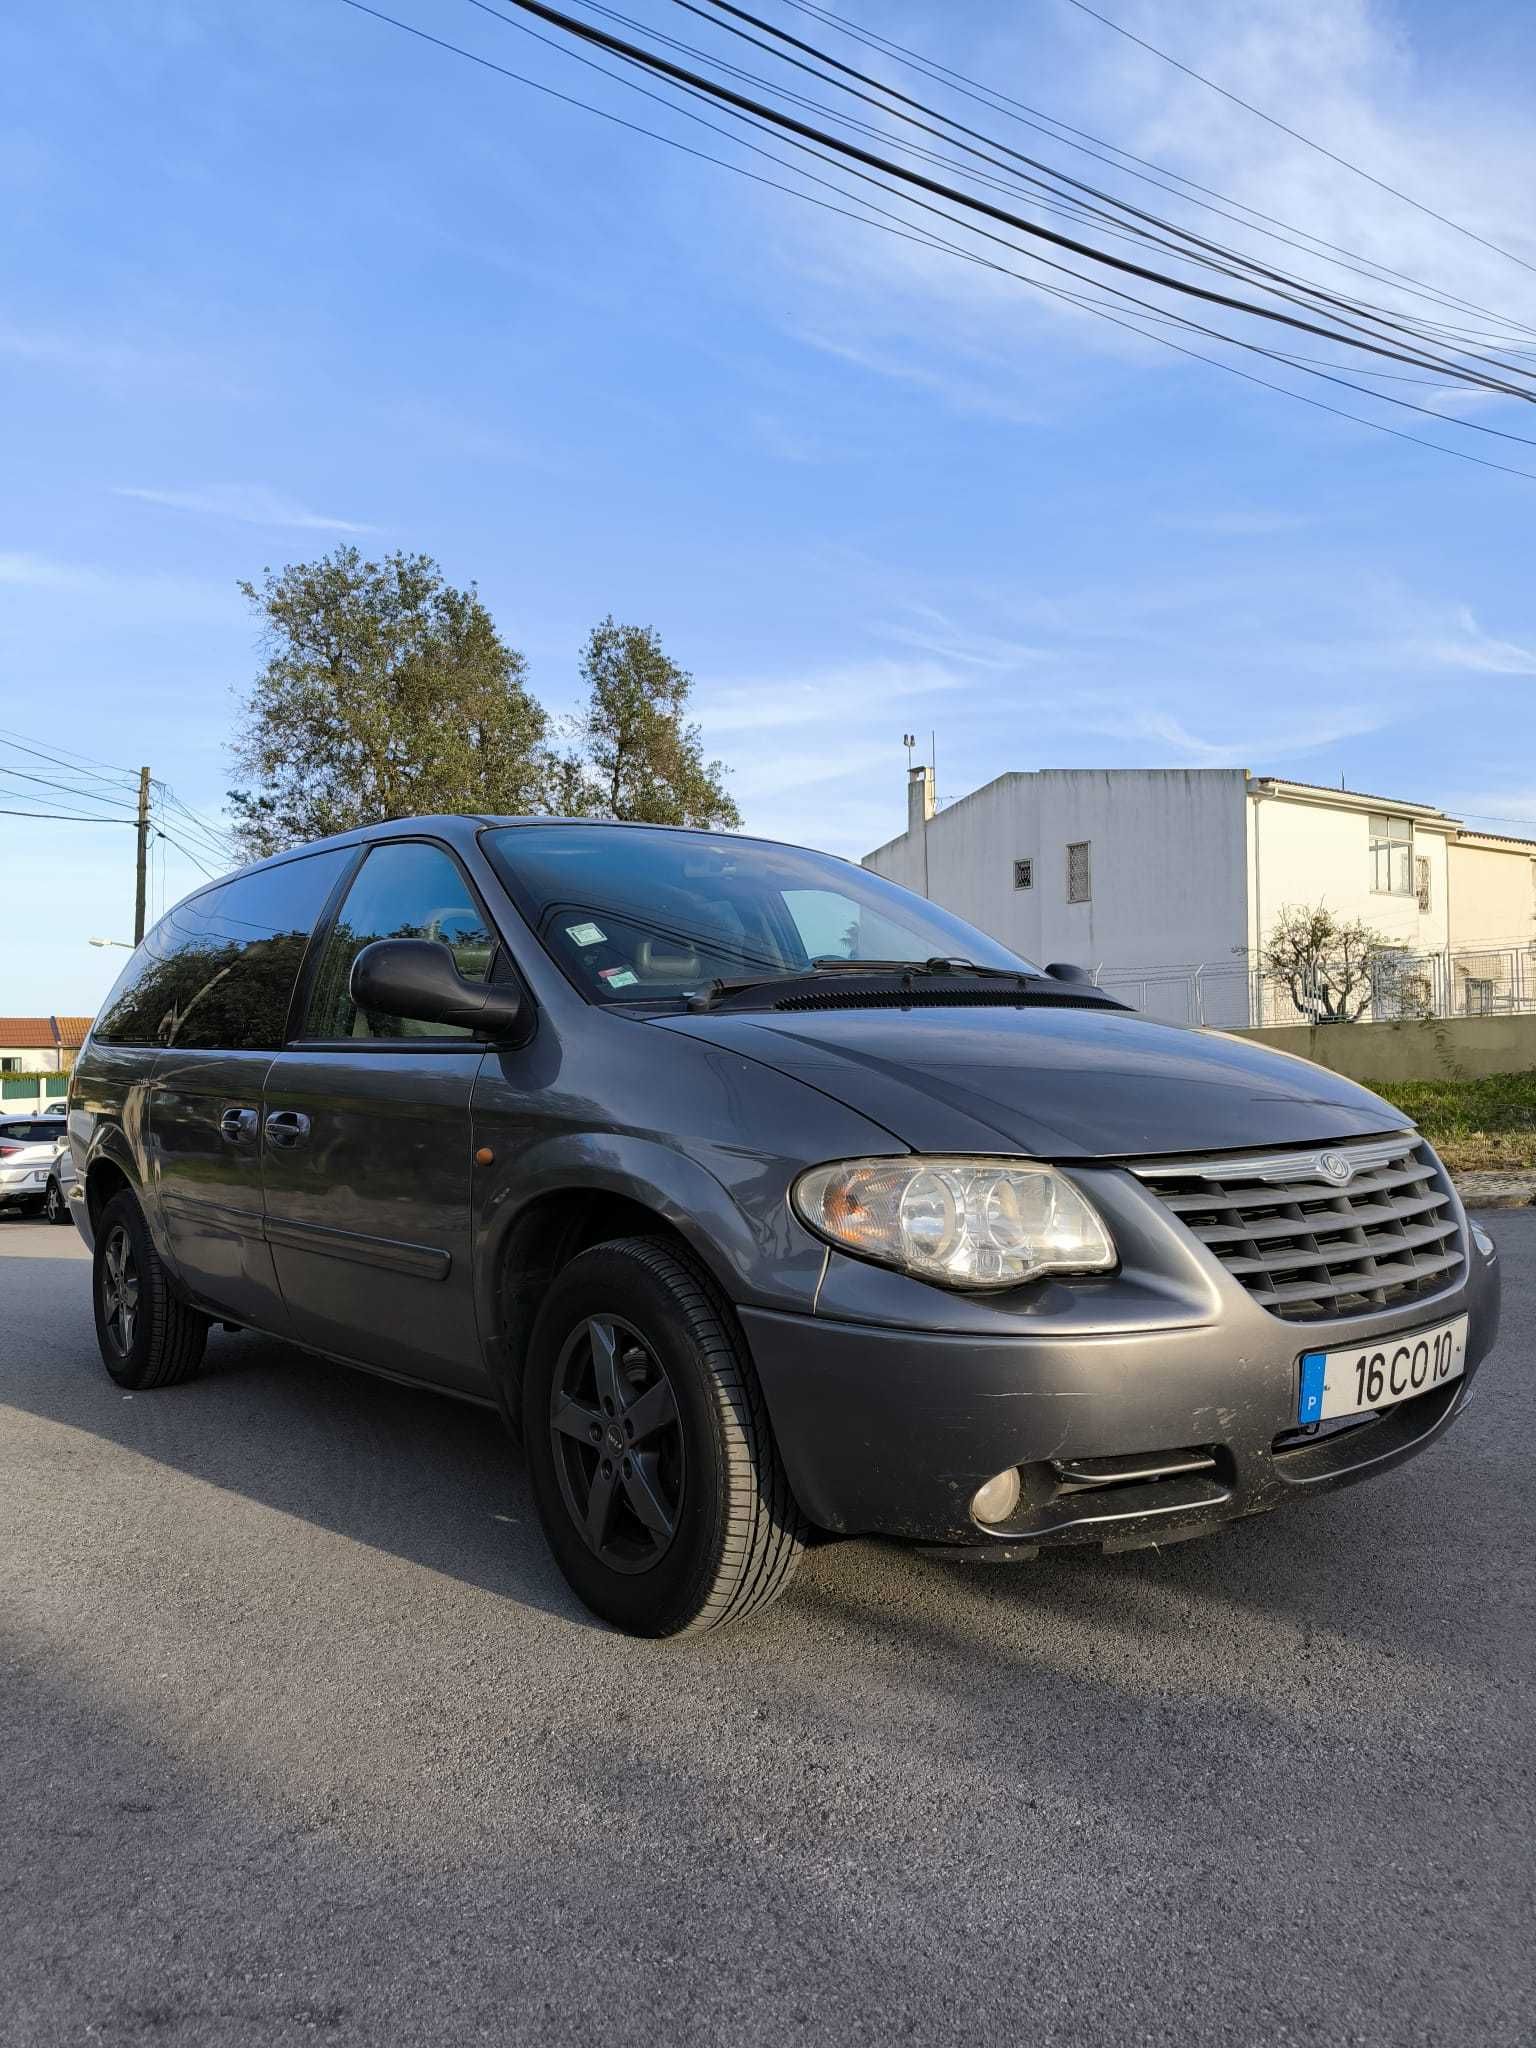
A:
x: 1314, y: 1366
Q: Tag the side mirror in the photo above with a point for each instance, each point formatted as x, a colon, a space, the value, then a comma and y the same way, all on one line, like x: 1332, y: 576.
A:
x: 1068, y: 970
x: 417, y: 978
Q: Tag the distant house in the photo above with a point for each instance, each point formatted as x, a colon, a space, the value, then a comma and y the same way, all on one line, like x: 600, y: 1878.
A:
x: 1169, y: 882
x: 36, y: 1054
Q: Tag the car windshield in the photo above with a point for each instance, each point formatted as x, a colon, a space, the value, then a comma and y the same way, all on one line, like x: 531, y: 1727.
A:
x: 638, y: 915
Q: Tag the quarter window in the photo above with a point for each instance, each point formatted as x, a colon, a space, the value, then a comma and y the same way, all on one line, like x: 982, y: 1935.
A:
x: 1080, y: 871
x: 1392, y: 872
x: 405, y: 889
x: 218, y: 971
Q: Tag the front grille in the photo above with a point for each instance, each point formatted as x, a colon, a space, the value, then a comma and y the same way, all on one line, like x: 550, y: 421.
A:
x: 1306, y: 1247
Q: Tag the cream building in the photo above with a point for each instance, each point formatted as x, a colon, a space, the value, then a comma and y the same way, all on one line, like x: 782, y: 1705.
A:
x: 1168, y: 882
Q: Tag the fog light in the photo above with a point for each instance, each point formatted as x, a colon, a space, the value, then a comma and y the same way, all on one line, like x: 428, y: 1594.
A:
x: 996, y: 1501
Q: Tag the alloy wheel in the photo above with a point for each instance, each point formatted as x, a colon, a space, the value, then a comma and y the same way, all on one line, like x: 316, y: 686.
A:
x: 52, y: 1202
x: 618, y: 1444
x: 119, y: 1290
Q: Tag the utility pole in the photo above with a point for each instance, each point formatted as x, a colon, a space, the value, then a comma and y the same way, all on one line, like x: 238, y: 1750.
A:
x: 143, y: 861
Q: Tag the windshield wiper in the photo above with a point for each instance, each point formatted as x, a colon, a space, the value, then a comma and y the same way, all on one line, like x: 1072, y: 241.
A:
x: 837, y: 964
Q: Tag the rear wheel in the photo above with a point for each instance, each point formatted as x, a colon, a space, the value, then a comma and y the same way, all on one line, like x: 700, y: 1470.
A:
x: 148, y: 1336
x: 653, y: 1464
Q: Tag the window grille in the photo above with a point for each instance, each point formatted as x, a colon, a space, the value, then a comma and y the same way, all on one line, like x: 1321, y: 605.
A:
x: 1421, y: 877
x: 1079, y: 871
x: 1023, y: 874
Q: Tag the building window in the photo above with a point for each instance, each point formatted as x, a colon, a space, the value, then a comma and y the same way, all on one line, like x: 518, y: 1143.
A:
x: 1421, y: 881
x: 1023, y: 874
x: 1479, y: 996
x: 10, y: 1064
x: 1391, y: 856
x: 1079, y: 871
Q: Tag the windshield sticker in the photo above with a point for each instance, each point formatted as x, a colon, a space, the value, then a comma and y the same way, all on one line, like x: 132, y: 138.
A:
x: 618, y: 977
x: 586, y: 934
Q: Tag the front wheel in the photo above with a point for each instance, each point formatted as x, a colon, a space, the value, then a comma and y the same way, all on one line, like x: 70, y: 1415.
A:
x: 652, y: 1460
x: 55, y: 1206
x: 148, y: 1336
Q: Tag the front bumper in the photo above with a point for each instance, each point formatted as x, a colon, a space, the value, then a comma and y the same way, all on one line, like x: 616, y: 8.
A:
x: 890, y: 1431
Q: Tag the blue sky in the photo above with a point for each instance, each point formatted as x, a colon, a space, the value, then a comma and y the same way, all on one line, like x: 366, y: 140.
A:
x: 277, y: 276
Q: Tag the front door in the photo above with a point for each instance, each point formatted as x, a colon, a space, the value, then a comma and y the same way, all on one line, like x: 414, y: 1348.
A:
x: 219, y: 984
x: 366, y: 1140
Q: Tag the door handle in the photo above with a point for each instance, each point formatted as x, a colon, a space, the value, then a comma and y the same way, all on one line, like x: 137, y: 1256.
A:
x: 287, y: 1127
x: 237, y: 1125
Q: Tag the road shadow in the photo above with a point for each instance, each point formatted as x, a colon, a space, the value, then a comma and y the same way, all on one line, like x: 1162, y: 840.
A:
x: 432, y: 1480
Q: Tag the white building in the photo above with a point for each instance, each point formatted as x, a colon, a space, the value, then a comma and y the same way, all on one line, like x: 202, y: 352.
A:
x: 1168, y: 882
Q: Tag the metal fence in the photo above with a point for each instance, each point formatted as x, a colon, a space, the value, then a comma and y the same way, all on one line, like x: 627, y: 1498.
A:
x: 1475, y: 982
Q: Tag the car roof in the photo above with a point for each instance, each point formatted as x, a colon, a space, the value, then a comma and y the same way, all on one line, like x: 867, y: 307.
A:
x: 461, y: 828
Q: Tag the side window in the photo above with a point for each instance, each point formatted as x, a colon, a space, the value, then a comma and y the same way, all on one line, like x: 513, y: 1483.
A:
x: 404, y: 890
x: 147, y: 995
x: 253, y: 943
x: 218, y: 970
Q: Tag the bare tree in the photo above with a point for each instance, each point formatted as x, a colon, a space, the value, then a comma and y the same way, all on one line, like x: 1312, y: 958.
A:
x: 1324, y: 961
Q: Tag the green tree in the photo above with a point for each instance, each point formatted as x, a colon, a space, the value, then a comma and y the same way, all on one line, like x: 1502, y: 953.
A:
x: 634, y: 755
x: 386, y: 694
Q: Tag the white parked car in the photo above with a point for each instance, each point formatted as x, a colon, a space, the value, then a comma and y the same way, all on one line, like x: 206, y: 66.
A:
x: 29, y: 1153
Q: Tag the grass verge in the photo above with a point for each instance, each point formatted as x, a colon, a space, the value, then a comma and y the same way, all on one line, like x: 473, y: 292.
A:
x: 1475, y: 1126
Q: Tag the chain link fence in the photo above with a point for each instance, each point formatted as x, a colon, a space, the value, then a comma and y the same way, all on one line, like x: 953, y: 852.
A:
x: 1473, y: 982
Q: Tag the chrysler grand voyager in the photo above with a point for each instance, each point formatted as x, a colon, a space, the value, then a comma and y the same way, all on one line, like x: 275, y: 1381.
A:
x: 763, y: 1200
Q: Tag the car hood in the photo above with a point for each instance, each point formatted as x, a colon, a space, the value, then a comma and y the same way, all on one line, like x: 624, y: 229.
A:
x: 1057, y: 1084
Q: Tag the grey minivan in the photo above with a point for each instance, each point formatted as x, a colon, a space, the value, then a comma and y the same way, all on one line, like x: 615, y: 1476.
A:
x: 763, y: 1199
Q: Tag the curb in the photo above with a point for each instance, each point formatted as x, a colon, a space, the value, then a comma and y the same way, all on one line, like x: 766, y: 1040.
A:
x: 1497, y: 1190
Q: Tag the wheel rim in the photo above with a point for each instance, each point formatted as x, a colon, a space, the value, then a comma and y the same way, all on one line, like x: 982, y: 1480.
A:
x: 618, y: 1444
x: 119, y: 1290
x: 51, y: 1203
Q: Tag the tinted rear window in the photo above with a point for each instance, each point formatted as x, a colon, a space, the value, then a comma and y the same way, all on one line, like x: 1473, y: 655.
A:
x: 219, y: 970
x: 33, y: 1133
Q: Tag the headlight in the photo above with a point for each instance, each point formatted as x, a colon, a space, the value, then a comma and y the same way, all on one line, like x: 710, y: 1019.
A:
x: 961, y: 1222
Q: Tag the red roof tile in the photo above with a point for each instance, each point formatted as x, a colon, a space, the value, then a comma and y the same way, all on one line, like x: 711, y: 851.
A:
x: 42, y: 1034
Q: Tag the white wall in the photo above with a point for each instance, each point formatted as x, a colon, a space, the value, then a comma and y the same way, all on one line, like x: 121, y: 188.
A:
x: 1168, y: 864
x: 33, y: 1059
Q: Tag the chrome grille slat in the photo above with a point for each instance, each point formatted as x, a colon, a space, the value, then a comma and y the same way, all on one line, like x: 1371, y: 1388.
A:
x: 1365, y: 1216
x: 1348, y: 1253
x: 1307, y: 1248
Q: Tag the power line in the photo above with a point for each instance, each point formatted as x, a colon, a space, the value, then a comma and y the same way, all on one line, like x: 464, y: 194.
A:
x: 1032, y: 117
x: 798, y: 131
x: 161, y: 833
x: 69, y: 817
x: 911, y: 234
x: 1296, y: 134
x: 1263, y: 271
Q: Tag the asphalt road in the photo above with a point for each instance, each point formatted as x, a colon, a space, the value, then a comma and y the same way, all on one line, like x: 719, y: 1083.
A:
x: 304, y: 1741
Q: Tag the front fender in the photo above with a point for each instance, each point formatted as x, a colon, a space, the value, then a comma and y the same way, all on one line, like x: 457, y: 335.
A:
x: 740, y: 1230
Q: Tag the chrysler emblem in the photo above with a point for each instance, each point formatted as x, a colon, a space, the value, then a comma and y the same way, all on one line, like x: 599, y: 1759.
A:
x: 1336, y: 1167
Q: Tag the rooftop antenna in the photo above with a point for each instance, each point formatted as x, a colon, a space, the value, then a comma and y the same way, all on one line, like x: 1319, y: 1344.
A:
x: 909, y: 741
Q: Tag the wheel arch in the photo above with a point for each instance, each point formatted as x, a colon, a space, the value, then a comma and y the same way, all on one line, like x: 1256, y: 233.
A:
x: 572, y: 1201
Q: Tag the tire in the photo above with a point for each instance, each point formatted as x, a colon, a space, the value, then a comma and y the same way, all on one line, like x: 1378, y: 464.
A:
x: 55, y: 1203
x: 639, y: 1318
x: 147, y: 1334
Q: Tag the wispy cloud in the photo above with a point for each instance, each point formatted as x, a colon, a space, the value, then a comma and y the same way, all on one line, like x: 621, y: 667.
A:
x: 1472, y: 648
x: 835, y: 696
x: 248, y: 504
x: 1255, y: 747
x: 129, y: 594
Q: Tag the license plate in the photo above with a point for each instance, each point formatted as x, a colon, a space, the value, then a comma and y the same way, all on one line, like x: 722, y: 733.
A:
x: 1378, y: 1375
